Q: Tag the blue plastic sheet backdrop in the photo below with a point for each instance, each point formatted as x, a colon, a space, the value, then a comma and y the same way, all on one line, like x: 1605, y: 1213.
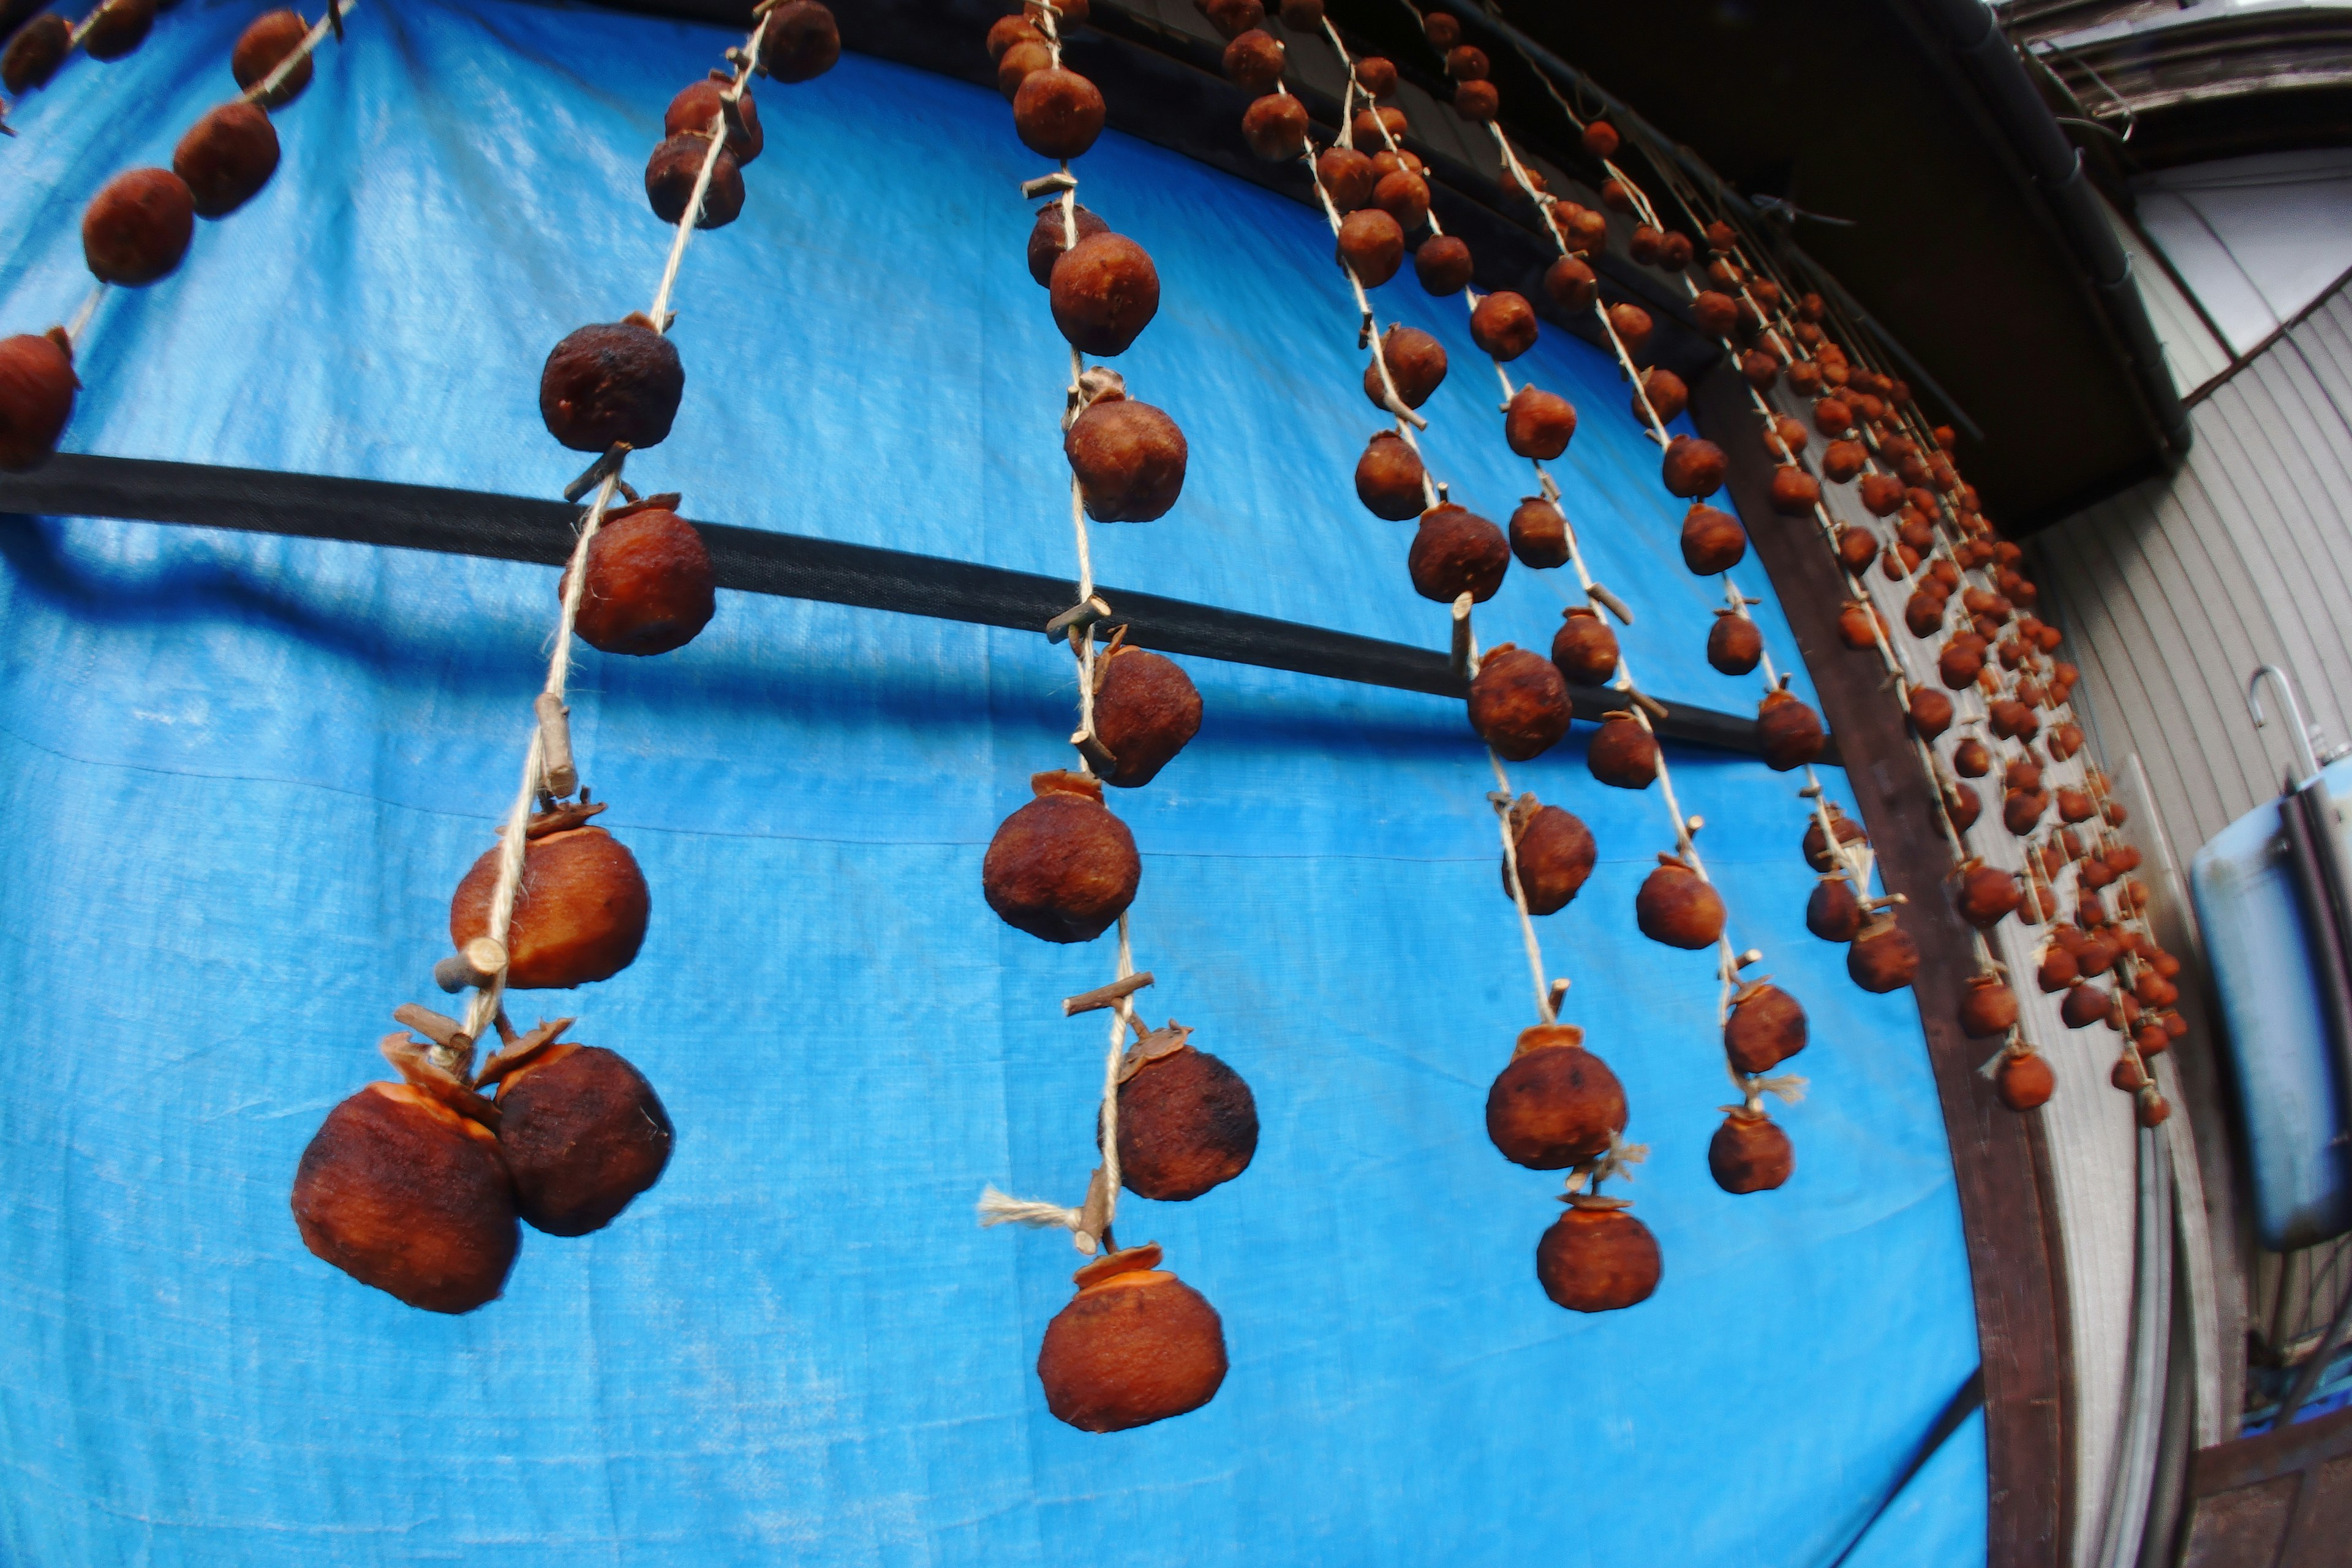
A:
x: 240, y: 776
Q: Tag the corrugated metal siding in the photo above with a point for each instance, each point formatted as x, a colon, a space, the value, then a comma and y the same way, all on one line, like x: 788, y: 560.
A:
x: 2173, y: 592
x: 2193, y: 353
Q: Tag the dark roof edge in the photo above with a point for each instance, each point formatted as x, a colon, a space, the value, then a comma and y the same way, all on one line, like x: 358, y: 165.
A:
x: 1968, y: 32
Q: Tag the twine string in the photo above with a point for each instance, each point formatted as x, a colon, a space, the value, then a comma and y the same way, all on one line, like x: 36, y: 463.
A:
x: 514, y: 835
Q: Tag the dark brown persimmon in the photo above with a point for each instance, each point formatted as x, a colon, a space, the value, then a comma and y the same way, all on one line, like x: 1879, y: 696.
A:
x: 401, y: 1192
x: 1375, y: 74
x: 226, y: 158
x: 1275, y: 127
x: 1666, y: 394
x: 1415, y: 363
x: 1883, y: 957
x: 36, y: 51
x: 1632, y: 325
x: 1734, y: 647
x: 1555, y: 853
x: 1712, y: 540
x: 694, y: 109
x: 1104, y: 290
x: 1832, y: 912
x: 1519, y: 703
x: 1597, y: 1259
x: 1750, y: 1153
x: 1693, y: 468
x: 1369, y: 124
x: 1457, y: 551
x: 650, y: 584
x: 674, y: 168
x: 1815, y: 844
x: 1539, y: 534
x: 1790, y: 733
x: 1443, y: 264
x: 271, y: 38
x: 1717, y: 314
x: 1253, y: 59
x: 2024, y: 1080
x: 1347, y: 178
x: 580, y: 912
x: 1503, y: 324
x: 1390, y: 478
x: 1232, y: 18
x: 115, y: 30
x: 1556, y: 1104
x: 1585, y: 647
x: 36, y: 397
x: 1057, y: 113
x: 1048, y: 234
x: 1622, y: 754
x: 1538, y: 424
x: 1062, y: 868
x: 1931, y: 711
x: 1134, y: 1346
x: 1572, y: 283
x: 1985, y: 895
x: 1146, y: 709
x: 1794, y: 492
x: 136, y: 229
x: 1187, y: 1123
x: 1017, y: 63
x: 1678, y: 908
x: 1988, y: 1007
x: 1370, y: 245
x: 611, y: 383
x: 1478, y: 101
x: 803, y: 41
x: 584, y: 1133
x: 1766, y: 1027
x: 1129, y: 458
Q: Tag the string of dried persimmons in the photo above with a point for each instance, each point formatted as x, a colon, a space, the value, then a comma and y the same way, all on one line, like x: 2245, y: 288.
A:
x: 38, y: 50
x: 1762, y: 1024
x: 1872, y: 421
x: 137, y: 229
x: 1555, y: 1106
x: 416, y: 1188
x: 1136, y: 1344
x: 1995, y: 663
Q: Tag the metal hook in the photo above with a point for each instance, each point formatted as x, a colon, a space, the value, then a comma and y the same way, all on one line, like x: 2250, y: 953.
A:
x: 2302, y: 747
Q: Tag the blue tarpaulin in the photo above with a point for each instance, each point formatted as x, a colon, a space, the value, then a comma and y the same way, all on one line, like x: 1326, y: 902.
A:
x: 242, y: 773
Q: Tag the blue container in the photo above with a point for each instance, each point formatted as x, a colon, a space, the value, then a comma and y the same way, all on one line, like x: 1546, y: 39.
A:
x: 2289, y: 1071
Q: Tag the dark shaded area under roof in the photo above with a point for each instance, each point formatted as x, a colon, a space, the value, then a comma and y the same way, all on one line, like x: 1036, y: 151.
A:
x: 1856, y: 109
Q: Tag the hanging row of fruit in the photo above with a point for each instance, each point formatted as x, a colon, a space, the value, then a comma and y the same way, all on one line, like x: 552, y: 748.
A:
x: 38, y: 47
x: 137, y: 227
x: 1995, y: 663
x: 1136, y: 1344
x: 1556, y: 1105
x: 1762, y: 1024
x: 417, y: 1186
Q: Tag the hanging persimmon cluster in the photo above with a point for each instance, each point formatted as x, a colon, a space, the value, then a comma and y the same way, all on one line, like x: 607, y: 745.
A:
x: 111, y: 30
x: 1995, y: 662
x: 416, y: 1188
x: 1678, y: 905
x: 137, y: 229
x: 1136, y: 1344
x: 1555, y: 1105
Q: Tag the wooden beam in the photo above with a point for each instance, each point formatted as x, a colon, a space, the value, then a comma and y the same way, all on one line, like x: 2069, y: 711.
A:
x: 2004, y: 1214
